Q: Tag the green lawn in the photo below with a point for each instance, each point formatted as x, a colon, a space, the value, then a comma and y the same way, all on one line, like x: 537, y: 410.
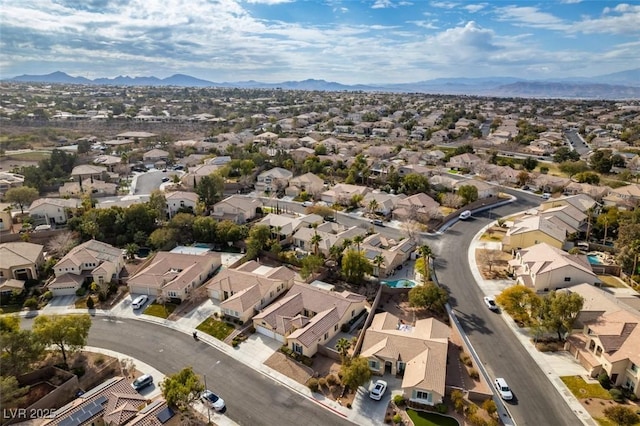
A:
x: 213, y: 327
x: 420, y: 418
x: 582, y: 389
x: 158, y: 310
x: 611, y: 281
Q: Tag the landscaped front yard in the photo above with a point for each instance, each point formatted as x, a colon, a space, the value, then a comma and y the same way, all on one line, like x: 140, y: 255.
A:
x: 581, y: 389
x: 421, y: 418
x: 161, y: 311
x: 216, y: 328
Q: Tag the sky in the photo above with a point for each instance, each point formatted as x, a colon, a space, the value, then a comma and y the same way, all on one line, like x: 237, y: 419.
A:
x: 347, y: 41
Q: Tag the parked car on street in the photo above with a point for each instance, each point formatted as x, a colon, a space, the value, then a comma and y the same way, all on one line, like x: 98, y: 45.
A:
x: 465, y: 215
x: 212, y: 400
x: 503, y: 389
x: 491, y: 303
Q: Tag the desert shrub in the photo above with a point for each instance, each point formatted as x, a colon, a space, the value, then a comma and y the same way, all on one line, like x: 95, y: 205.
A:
x: 285, y: 350
x: 322, y: 382
x: 31, y: 303
x: 621, y: 415
x: 471, y: 409
x: 465, y: 359
x: 81, y: 291
x: 235, y: 342
x: 331, y: 379
x: 489, y: 406
x: 399, y: 400
x: 99, y: 360
x: 313, y: 384
x: 477, y: 420
x: 348, y: 405
x: 344, y: 328
x: 78, y: 371
x: 617, y: 395
x: 397, y: 418
x: 90, y: 303
x: 388, y: 419
x: 48, y: 295
x: 442, y: 408
x: 457, y: 397
x: 473, y: 373
x: 603, y: 378
x: 102, y: 296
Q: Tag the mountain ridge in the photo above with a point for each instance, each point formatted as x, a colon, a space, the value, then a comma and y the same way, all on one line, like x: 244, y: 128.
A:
x: 620, y: 85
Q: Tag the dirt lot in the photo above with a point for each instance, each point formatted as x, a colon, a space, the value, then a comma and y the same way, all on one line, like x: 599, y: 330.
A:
x: 493, y: 264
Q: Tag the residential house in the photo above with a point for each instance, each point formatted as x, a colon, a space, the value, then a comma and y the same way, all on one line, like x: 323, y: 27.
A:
x: 594, y: 191
x: 181, y: 201
x: 443, y: 181
x: 236, y: 209
x: 97, y: 188
x: 342, y: 193
x: 434, y: 156
x: 273, y: 180
x: 174, y: 275
x: 393, y: 253
x: 420, y: 207
x: 283, y: 226
x: 244, y: 291
x: 89, y: 171
x: 568, y: 214
x: 377, y: 202
x: 416, y: 352
x: 582, y: 202
x: 331, y: 234
x: 266, y: 137
x: 531, y: 230
x: 543, y: 267
x: 625, y: 197
x: 9, y: 180
x: 484, y: 189
x: 52, y: 211
x: 302, y: 153
x: 194, y: 176
x: 92, y: 261
x: 19, y: 261
x: 6, y: 219
x: 549, y: 183
x: 156, y: 157
x: 308, y: 317
x: 308, y: 182
x: 464, y: 161
x: 113, y: 402
x: 110, y: 162
x: 609, y: 343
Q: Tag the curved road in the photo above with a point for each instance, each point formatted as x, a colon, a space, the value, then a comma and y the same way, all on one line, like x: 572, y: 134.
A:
x: 251, y: 398
x: 536, y: 401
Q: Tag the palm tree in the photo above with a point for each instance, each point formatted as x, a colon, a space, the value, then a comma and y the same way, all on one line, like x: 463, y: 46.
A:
x: 378, y: 261
x: 426, y: 253
x: 346, y: 243
x: 131, y: 249
x: 357, y: 240
x: 315, y: 242
x: 343, y: 345
x: 635, y: 249
x: 373, y: 206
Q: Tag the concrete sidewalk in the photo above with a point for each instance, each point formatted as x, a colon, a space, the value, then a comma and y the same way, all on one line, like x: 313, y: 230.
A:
x: 552, y: 364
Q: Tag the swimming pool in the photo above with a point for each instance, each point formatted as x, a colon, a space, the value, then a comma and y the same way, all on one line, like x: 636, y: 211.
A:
x: 403, y: 283
x: 594, y: 259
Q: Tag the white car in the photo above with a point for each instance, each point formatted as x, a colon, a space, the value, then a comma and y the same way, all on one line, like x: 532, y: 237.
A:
x: 491, y: 303
x: 378, y: 390
x: 212, y: 400
x: 139, y: 301
x: 503, y: 389
x: 465, y: 215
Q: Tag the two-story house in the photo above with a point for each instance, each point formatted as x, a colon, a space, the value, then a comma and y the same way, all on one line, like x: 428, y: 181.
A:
x: 181, y: 201
x: 308, y: 182
x: 274, y: 179
x: 236, y: 209
x: 53, y: 211
x: 90, y: 261
x: 531, y: 230
x: 244, y: 291
x: 343, y: 193
x: 308, y: 317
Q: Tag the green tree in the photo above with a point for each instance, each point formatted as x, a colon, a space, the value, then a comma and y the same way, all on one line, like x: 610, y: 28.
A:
x: 428, y: 296
x: 356, y: 372
x: 164, y: 238
x: 529, y: 163
x: 621, y: 415
x: 205, y: 229
x: 342, y: 346
x: 469, y: 193
x: 426, y: 254
x: 601, y: 161
x: 210, y: 189
x: 158, y: 204
x: 519, y: 301
x: 315, y: 241
x: 19, y: 349
x: 182, y: 388
x: 311, y: 265
x: 415, y: 183
x: 378, y: 261
x: 559, y: 311
x: 21, y: 196
x: 68, y: 332
x: 355, y: 265
x: 587, y: 177
x: 131, y: 249
x: 564, y: 153
x: 258, y: 237
x: 572, y: 168
x: 11, y: 394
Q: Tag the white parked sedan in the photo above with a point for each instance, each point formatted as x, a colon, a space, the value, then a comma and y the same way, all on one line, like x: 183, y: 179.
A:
x: 503, y: 389
x: 491, y: 303
x: 212, y: 400
x: 378, y: 390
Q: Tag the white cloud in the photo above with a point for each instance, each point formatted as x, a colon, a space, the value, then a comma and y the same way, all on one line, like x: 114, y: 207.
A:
x: 444, y: 4
x: 473, y: 8
x: 269, y: 2
x: 429, y: 25
x: 531, y: 17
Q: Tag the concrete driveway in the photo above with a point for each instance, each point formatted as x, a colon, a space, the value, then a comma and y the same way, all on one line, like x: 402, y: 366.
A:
x: 60, y: 302
x: 372, y: 409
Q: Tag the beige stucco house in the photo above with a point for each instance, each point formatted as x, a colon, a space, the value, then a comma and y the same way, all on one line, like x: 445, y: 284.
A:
x: 174, y: 275
x: 180, y: 200
x: 416, y: 352
x: 308, y: 317
x: 19, y: 261
x: 543, y: 268
x: 532, y: 230
x: 236, y: 209
x: 307, y: 182
x: 90, y: 261
x: 244, y: 291
x: 342, y: 193
x: 52, y: 211
x: 274, y: 179
x: 331, y: 234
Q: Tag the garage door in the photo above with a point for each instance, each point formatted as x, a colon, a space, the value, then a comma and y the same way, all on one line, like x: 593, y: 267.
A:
x: 139, y: 290
x: 265, y: 332
x: 63, y: 291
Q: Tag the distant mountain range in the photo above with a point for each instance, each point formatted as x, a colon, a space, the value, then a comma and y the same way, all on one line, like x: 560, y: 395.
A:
x: 620, y: 85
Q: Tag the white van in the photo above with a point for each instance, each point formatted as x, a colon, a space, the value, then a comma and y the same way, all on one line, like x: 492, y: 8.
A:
x: 42, y: 228
x: 465, y: 215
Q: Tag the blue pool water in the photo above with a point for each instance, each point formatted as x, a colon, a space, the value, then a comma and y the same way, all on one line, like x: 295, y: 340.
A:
x: 593, y: 259
x: 400, y: 283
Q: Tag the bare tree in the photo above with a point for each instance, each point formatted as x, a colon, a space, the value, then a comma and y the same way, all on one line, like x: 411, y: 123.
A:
x: 489, y: 257
x: 128, y: 367
x: 62, y: 243
x: 411, y: 228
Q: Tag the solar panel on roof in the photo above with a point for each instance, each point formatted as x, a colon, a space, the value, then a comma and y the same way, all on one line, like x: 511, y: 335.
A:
x: 87, y: 412
x: 165, y: 415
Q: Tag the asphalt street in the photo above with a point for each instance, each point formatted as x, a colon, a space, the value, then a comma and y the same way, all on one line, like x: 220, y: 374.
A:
x: 536, y: 402
x: 251, y: 397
